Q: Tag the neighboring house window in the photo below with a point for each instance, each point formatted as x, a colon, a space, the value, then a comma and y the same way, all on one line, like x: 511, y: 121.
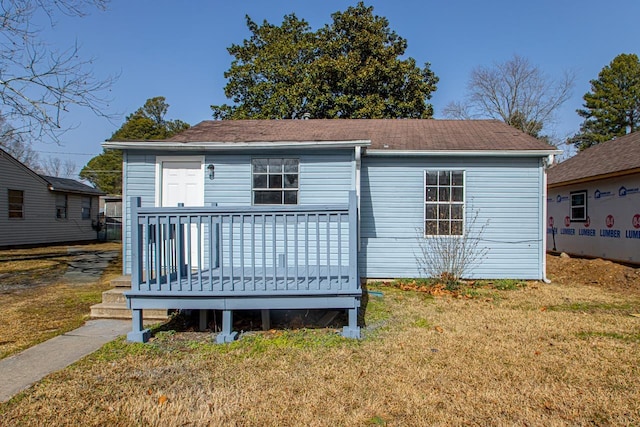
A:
x: 444, y: 203
x: 16, y: 203
x: 275, y: 181
x: 86, y: 207
x: 61, y: 206
x: 579, y: 206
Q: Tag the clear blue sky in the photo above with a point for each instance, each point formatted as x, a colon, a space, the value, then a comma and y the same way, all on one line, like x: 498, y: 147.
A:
x: 177, y: 49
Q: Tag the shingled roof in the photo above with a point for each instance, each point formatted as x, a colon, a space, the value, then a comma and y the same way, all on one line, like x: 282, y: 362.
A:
x: 384, y: 134
x: 620, y: 156
x: 70, y: 186
x: 54, y: 183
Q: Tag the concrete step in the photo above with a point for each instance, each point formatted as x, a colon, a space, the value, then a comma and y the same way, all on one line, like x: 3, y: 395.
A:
x: 121, y: 282
x: 114, y: 303
x: 120, y: 311
x: 115, y: 296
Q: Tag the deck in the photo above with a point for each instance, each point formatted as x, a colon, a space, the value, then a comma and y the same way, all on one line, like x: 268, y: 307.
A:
x: 241, y: 258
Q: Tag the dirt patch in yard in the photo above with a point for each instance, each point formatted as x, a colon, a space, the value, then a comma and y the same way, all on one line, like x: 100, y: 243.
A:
x: 26, y: 269
x: 594, y: 272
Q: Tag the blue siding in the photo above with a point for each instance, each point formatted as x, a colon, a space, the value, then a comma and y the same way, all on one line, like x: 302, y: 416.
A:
x: 505, y: 192
x: 231, y: 185
x: 139, y: 174
x: 325, y: 178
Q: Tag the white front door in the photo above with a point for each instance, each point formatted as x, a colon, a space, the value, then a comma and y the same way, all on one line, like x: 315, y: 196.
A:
x: 182, y: 181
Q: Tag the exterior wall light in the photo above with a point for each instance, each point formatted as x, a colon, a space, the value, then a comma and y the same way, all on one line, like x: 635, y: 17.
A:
x: 211, y: 169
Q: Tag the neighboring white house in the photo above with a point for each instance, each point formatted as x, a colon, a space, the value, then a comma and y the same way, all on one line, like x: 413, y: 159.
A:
x: 37, y: 209
x: 594, y: 202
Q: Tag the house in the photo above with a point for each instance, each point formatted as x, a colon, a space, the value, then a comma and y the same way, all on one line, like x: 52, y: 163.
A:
x: 37, y: 209
x: 292, y: 213
x: 594, y: 202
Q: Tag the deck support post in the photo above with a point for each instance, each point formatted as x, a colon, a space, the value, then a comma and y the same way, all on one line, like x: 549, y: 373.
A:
x: 352, y: 330
x: 138, y: 333
x: 203, y: 319
x: 227, y: 335
x: 266, y: 320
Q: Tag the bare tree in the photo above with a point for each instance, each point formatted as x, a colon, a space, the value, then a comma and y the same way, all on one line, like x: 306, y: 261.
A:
x: 516, y: 92
x: 15, y: 145
x: 54, y: 166
x: 38, y: 83
x: 451, y: 257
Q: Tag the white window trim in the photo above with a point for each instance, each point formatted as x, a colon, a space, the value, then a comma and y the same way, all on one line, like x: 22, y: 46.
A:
x: 282, y: 189
x: 571, y: 206
x: 463, y: 203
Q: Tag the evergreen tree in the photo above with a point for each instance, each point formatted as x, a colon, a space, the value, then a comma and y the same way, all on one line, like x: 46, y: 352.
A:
x: 104, y: 171
x: 350, y: 68
x: 148, y: 122
x: 612, y: 107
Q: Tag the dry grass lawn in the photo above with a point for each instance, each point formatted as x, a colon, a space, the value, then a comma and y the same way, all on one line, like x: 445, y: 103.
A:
x: 36, y: 302
x: 542, y: 354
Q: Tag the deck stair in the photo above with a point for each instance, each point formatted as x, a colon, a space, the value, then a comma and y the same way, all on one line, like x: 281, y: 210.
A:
x: 114, y: 303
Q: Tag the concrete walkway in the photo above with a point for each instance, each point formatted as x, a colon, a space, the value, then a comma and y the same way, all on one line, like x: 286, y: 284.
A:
x: 20, y: 371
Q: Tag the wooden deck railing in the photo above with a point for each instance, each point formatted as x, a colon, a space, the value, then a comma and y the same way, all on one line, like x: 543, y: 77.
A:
x: 253, y: 249
x: 250, y: 252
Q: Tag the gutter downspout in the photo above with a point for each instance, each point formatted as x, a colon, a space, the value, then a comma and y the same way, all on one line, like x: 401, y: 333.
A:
x: 546, y: 163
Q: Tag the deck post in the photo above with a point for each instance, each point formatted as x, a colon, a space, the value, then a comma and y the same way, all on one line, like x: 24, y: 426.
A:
x: 203, y: 319
x: 227, y: 335
x: 266, y: 319
x: 136, y: 243
x: 354, y: 280
x: 138, y: 333
x: 352, y: 330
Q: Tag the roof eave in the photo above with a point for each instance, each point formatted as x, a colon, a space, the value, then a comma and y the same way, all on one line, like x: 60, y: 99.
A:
x: 65, y: 190
x: 463, y: 153
x: 233, y: 146
x: 594, y: 178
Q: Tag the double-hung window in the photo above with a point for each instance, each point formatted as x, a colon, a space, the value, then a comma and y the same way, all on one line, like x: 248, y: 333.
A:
x: 444, y: 203
x: 275, y: 181
x: 86, y: 207
x: 61, y: 206
x: 579, y: 206
x: 16, y: 203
